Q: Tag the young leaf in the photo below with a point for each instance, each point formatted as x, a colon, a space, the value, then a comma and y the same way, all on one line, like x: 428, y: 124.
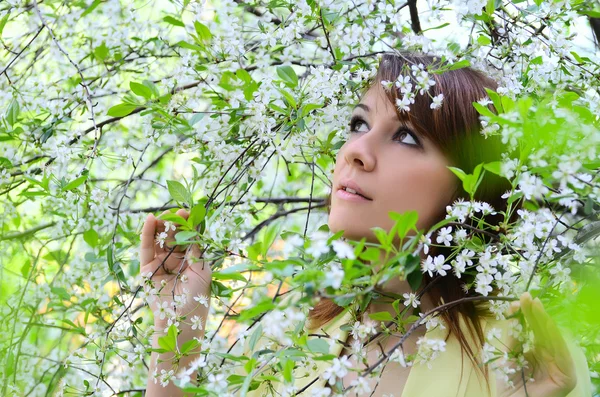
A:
x: 169, y: 341
x: 121, y: 110
x: 178, y: 192
x: 140, y: 90
x: 287, y: 74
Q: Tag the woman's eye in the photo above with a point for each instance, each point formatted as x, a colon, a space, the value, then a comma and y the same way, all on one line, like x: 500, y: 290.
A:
x: 355, y: 123
x: 405, y: 134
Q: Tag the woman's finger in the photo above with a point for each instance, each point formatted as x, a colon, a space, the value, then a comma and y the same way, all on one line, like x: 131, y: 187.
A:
x: 560, y: 350
x: 171, y: 233
x: 512, y: 339
x: 147, y: 248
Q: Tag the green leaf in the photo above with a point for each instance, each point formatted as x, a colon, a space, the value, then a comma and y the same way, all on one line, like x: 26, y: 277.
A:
x: 255, y: 337
x: 370, y: 254
x: 12, y: 113
x: 101, y: 52
x: 309, y: 107
x: 271, y: 234
x: 179, y: 192
x: 260, y: 308
x: 75, y: 183
x: 173, y: 21
x: 4, y: 20
x: 189, y: 346
x: 483, y: 110
x: 460, y: 64
x: 228, y: 276
x: 406, y: 221
x: 169, y: 216
x: 169, y: 341
x: 121, y: 110
x: 91, y: 237
x: 458, y: 172
x: 289, y: 98
x: 140, y: 90
x: 288, y: 367
x: 204, y: 33
x: 412, y: 263
x: 26, y: 268
x: 495, y: 97
x: 91, y: 8
x: 414, y: 279
x: 61, y: 293
x: 197, y: 214
x: 318, y: 345
x: 288, y: 75
x: 493, y: 167
x: 484, y: 40
x: 185, y: 235
x: 381, y: 316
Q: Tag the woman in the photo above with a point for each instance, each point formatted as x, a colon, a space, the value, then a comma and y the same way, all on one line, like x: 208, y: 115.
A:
x: 397, y: 158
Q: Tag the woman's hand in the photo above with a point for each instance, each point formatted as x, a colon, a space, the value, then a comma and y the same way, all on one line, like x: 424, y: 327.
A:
x: 549, y: 361
x: 181, y: 272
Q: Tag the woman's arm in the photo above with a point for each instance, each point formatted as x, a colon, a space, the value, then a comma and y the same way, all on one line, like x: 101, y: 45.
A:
x: 154, y: 388
x: 173, y: 275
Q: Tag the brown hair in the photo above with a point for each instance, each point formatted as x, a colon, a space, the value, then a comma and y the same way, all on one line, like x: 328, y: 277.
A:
x: 456, y: 129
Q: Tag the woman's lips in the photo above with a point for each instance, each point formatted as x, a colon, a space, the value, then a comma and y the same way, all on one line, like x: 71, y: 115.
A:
x: 344, y: 195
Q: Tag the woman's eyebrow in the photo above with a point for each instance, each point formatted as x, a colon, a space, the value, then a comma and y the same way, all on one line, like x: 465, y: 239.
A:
x: 362, y: 105
x: 404, y: 123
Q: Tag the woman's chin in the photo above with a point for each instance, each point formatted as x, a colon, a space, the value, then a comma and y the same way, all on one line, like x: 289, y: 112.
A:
x: 351, y: 232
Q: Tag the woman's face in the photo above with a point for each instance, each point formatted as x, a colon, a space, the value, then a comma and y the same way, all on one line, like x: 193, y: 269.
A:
x: 393, y: 166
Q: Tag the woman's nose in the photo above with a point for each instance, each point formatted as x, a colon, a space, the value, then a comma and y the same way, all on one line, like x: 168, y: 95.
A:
x: 359, y: 153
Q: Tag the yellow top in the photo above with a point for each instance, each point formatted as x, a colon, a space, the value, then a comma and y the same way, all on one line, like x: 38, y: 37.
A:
x: 446, y: 367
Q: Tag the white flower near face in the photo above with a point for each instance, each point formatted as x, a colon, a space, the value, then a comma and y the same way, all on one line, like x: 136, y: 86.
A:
x: 460, y: 209
x: 362, y: 330
x: 532, y: 186
x: 387, y: 85
x: 197, y: 322
x: 198, y: 363
x: 403, y: 104
x: 217, y: 382
x: 398, y: 356
x: 321, y: 392
x: 291, y: 244
x: 334, y: 276
x: 483, y: 207
x: 343, y: 249
x: 411, y: 300
x: 169, y: 226
x: 163, y: 310
x: 438, y: 265
x: 360, y: 385
x: 437, y: 101
x: 429, y: 349
x: 462, y: 260
x: 432, y: 321
x: 494, y: 333
x: 318, y: 245
x: 444, y: 236
x: 482, y: 284
x: 338, y: 369
x: 160, y: 239
x: 404, y: 84
x: 202, y: 299
x: 165, y: 377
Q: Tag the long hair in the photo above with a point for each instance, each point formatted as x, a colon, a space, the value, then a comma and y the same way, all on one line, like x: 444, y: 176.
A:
x: 455, y: 129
